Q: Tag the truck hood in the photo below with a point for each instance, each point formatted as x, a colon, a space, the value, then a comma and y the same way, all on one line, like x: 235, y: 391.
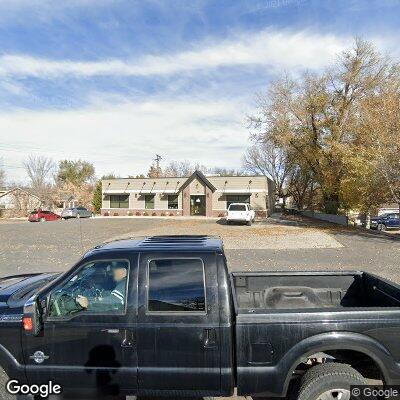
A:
x: 15, y: 290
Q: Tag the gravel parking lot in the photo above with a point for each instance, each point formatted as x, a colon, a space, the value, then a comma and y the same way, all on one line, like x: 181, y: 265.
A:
x: 274, y: 245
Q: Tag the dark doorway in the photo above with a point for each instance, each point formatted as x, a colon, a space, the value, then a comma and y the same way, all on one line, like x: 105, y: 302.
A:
x: 198, y: 205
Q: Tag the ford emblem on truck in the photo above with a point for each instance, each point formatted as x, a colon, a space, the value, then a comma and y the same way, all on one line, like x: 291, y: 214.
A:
x: 39, y: 357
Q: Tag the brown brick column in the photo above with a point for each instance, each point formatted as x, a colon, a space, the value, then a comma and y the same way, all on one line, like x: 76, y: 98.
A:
x: 186, y: 201
x: 209, y: 201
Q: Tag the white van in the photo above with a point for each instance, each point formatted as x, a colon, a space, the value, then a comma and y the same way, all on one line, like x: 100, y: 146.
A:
x: 240, y: 212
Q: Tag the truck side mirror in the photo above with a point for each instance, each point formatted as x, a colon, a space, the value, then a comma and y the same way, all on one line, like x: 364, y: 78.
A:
x: 31, y: 320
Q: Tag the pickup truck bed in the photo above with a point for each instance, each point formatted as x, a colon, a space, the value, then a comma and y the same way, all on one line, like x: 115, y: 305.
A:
x: 286, y: 319
x: 282, y: 290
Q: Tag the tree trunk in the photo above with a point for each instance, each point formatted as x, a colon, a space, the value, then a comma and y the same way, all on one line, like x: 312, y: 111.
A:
x: 283, y: 207
x: 368, y: 220
x: 331, y: 203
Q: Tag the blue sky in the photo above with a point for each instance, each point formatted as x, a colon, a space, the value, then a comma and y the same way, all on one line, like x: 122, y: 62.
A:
x: 115, y: 82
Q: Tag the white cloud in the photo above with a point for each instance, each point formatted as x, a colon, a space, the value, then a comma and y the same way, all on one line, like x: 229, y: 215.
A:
x: 270, y: 48
x: 124, y: 138
x: 13, y: 88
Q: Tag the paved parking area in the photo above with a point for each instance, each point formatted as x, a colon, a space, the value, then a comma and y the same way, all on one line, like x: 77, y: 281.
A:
x: 275, y: 244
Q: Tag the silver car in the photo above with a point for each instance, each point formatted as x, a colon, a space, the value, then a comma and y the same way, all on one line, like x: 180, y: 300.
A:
x: 76, y: 212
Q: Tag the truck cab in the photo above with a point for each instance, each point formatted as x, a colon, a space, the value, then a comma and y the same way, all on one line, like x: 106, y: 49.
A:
x: 171, y: 334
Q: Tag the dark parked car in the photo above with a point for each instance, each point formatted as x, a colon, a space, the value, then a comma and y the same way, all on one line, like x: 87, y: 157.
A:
x: 162, y: 316
x: 42, y: 216
x: 76, y: 212
x: 386, y: 221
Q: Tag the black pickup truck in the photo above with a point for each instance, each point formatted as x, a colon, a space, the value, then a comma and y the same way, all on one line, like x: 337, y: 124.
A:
x: 176, y: 323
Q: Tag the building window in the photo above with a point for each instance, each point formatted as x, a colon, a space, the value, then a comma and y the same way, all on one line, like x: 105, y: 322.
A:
x: 237, y: 198
x: 176, y: 285
x: 119, y: 201
x: 149, y: 201
x: 173, y: 202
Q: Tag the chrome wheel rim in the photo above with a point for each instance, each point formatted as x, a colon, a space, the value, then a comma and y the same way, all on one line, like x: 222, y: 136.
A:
x: 335, y: 394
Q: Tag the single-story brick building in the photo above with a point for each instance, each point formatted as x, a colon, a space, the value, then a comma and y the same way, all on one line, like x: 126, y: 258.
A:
x: 196, y: 195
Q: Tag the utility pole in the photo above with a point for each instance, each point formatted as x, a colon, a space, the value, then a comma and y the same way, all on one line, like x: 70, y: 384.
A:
x: 157, y: 160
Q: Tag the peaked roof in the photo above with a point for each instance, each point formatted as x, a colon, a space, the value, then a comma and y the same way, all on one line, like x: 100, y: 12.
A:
x: 201, y: 177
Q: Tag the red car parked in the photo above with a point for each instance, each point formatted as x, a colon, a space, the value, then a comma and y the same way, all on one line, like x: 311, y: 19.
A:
x: 41, y: 216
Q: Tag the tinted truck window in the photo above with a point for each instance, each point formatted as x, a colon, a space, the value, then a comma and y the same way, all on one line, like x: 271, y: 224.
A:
x: 176, y: 285
x: 237, y: 207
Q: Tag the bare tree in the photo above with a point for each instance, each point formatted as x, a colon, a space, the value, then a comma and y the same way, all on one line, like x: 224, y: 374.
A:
x: 301, y: 187
x: 267, y: 159
x: 2, y: 174
x: 178, y: 168
x: 39, y: 170
x: 227, y: 171
x: 185, y: 168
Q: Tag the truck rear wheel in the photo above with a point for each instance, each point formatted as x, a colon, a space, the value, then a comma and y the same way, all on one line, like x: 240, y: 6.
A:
x: 329, y: 381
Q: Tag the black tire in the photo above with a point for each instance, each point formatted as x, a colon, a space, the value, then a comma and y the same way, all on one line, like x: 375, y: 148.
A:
x: 248, y: 223
x: 324, y: 378
x: 382, y: 227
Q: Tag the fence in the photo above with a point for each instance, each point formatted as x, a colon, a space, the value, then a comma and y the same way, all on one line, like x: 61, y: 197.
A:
x: 336, y: 219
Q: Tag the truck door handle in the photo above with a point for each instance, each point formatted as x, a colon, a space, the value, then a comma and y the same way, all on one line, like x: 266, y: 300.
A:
x: 129, y: 339
x: 209, y: 338
x: 111, y: 331
x: 126, y: 343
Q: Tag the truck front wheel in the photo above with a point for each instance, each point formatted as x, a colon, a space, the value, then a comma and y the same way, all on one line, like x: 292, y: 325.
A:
x: 329, y: 381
